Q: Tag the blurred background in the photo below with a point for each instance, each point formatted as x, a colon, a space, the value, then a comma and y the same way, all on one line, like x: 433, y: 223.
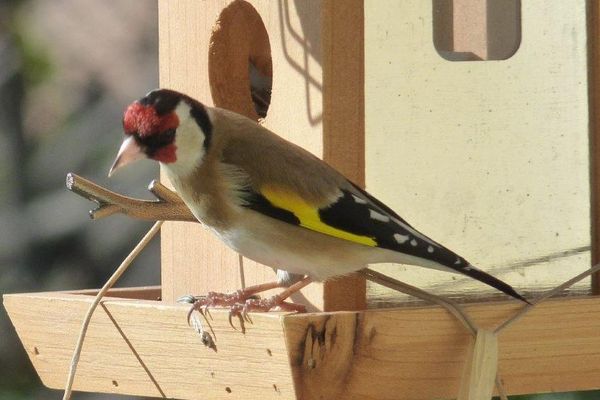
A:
x: 67, y: 70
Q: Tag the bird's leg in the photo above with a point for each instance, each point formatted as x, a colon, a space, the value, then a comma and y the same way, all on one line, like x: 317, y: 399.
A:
x: 243, y: 301
x: 234, y: 301
x: 277, y: 301
x: 225, y: 300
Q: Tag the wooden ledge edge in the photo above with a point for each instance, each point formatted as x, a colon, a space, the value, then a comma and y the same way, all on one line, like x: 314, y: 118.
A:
x: 147, y: 348
x: 136, y: 293
x: 419, y: 352
x: 148, y: 296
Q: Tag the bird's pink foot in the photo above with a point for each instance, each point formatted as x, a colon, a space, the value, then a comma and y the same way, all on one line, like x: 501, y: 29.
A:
x: 202, y: 304
x: 224, y: 300
x: 242, y: 302
x: 274, y: 303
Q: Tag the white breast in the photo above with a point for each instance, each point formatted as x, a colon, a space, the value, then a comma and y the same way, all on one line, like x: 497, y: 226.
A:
x: 298, y: 250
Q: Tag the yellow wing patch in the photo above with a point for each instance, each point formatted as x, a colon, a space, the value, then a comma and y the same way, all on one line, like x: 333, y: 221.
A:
x: 309, y: 215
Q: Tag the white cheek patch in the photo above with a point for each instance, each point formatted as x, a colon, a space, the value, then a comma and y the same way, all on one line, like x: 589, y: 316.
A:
x: 378, y: 216
x: 189, y: 140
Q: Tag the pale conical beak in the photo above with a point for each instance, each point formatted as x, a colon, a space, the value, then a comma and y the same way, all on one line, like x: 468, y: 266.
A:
x: 129, y: 152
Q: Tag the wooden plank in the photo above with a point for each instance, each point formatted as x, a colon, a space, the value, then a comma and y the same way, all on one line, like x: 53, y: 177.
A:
x: 473, y: 30
x: 418, y: 353
x: 307, y: 39
x: 142, y: 292
x: 594, y: 90
x: 192, y: 260
x: 470, y: 27
x: 145, y: 348
x: 344, y: 120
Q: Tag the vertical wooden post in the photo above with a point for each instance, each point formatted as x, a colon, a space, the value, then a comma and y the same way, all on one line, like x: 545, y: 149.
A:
x: 469, y: 19
x: 594, y: 101
x: 344, y: 119
x: 317, y: 101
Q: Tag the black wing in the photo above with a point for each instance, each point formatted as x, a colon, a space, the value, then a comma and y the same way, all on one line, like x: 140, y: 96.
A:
x: 359, y: 213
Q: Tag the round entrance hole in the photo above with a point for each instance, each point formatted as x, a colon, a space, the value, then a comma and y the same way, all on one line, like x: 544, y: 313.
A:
x: 240, y: 68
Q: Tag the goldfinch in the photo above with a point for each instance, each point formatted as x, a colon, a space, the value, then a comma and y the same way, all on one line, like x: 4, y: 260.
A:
x: 272, y: 201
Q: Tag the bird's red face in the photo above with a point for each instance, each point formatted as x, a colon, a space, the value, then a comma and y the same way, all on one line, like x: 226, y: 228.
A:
x: 150, y: 125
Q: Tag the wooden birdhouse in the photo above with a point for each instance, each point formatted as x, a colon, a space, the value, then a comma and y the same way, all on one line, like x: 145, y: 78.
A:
x: 475, y: 121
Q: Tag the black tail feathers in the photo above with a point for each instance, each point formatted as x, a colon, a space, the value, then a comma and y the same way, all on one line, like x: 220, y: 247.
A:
x: 496, y: 283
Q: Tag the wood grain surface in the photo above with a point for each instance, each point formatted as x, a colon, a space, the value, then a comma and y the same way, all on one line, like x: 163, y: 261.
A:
x: 145, y: 347
x: 317, y: 102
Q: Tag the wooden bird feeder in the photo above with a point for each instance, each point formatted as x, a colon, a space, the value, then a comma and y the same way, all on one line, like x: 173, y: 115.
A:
x: 476, y: 123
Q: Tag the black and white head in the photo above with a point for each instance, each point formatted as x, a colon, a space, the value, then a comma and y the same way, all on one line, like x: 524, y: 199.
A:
x: 168, y: 127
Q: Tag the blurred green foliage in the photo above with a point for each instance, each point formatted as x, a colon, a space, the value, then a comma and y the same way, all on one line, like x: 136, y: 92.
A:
x: 36, y: 65
x: 59, y: 115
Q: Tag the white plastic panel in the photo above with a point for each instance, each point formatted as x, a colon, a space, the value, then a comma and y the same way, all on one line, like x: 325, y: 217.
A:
x: 489, y: 158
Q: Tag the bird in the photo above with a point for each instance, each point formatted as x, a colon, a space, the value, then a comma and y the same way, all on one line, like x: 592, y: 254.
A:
x: 274, y: 202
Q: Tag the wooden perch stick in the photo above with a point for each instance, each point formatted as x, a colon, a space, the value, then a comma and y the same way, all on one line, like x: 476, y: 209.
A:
x: 167, y: 207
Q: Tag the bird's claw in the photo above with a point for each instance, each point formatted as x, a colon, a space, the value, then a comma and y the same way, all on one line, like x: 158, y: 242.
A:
x: 242, y: 311
x: 195, y: 323
x: 266, y: 305
x: 237, y: 310
x: 239, y: 305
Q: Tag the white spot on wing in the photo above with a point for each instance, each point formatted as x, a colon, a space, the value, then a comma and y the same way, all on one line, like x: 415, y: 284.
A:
x: 413, y: 242
x: 401, y: 239
x: 378, y: 216
x: 457, y: 262
x: 359, y: 200
x: 467, y: 268
x: 430, y: 249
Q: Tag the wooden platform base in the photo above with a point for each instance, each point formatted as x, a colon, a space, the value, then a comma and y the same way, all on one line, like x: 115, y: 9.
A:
x: 138, y: 345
